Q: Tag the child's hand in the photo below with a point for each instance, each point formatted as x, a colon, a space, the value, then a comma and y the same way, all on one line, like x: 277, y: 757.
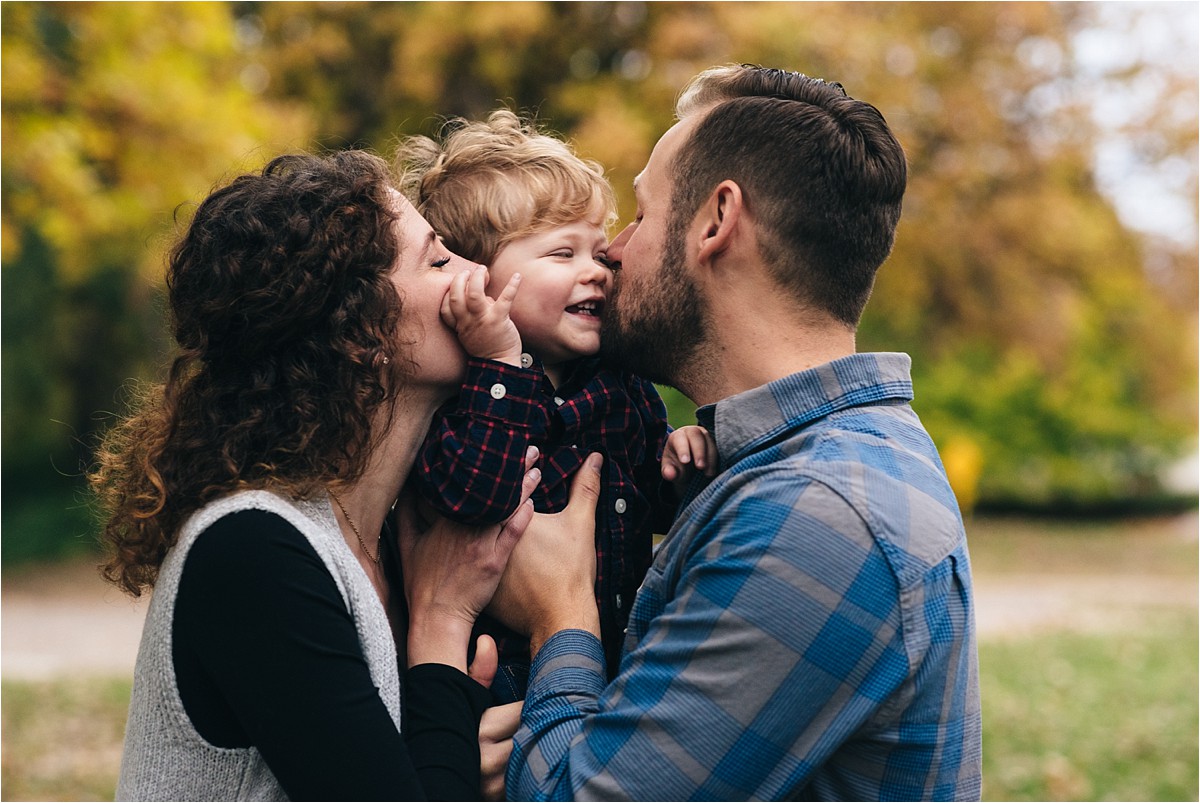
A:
x: 688, y: 448
x: 483, y: 325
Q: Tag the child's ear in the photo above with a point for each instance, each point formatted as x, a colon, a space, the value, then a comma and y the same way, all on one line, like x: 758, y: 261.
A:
x: 718, y: 220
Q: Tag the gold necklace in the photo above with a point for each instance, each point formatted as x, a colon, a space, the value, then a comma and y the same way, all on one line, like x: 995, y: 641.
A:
x: 357, y: 534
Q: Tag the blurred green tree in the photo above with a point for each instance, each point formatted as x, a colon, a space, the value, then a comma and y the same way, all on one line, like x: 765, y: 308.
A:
x: 1054, y: 347
x: 113, y: 115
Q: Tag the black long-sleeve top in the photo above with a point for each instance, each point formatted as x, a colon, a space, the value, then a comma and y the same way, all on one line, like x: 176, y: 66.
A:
x: 267, y: 655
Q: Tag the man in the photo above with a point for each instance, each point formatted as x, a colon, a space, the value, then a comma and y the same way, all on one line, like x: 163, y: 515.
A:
x: 807, y: 628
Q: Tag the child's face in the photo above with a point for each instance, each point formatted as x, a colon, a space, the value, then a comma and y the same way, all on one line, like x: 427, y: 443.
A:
x: 564, y: 287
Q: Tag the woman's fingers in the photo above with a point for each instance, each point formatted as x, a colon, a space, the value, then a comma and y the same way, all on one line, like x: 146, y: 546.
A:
x: 451, y: 571
x: 496, y: 730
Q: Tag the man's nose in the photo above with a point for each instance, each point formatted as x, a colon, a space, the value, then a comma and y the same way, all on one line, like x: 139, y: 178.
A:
x: 617, y: 247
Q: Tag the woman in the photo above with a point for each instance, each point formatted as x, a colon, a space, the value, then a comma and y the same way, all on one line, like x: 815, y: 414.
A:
x: 251, y: 492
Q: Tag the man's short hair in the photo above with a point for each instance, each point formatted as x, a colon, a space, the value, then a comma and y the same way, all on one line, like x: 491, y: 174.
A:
x: 488, y: 183
x: 821, y: 174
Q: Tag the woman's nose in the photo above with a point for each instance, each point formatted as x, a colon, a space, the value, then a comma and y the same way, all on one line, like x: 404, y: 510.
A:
x: 463, y: 264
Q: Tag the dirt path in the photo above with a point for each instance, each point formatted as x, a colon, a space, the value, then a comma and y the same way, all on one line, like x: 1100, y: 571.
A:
x: 64, y: 620
x: 58, y: 620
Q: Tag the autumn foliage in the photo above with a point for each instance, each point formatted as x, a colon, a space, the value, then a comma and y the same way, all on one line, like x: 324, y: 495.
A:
x: 1054, y: 345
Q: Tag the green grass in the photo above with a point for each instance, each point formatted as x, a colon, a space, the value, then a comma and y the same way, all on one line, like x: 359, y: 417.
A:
x: 1159, y: 545
x: 1067, y: 716
x: 62, y: 739
x: 1085, y: 717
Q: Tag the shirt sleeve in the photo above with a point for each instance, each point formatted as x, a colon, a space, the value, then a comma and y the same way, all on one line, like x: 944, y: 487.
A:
x: 267, y: 655
x: 443, y: 708
x: 753, y: 672
x: 472, y: 462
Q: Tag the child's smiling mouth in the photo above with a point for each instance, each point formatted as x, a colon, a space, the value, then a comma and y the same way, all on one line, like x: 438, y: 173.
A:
x: 591, y: 309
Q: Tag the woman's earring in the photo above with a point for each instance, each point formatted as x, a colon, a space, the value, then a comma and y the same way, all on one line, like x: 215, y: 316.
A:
x: 386, y: 359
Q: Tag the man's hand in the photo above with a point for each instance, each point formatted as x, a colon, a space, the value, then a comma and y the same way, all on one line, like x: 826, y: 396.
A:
x: 487, y: 661
x: 549, y: 583
x: 484, y: 326
x: 687, y: 449
x: 496, y: 730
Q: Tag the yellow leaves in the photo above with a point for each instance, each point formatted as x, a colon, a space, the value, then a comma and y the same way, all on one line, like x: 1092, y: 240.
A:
x: 963, y: 460
x: 115, y: 113
x: 133, y: 114
x: 615, y: 136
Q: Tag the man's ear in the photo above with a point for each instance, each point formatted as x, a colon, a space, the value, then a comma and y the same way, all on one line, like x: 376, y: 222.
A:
x: 718, y: 219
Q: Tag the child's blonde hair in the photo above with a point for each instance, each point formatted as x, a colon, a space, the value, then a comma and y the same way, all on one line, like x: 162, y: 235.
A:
x: 489, y: 183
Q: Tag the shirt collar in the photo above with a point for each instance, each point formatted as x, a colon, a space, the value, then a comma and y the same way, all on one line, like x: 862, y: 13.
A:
x: 745, y: 421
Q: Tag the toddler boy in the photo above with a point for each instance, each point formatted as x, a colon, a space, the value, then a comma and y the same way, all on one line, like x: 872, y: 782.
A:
x: 503, y: 194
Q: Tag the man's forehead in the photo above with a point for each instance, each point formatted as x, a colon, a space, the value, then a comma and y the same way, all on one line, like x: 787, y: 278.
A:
x: 665, y: 149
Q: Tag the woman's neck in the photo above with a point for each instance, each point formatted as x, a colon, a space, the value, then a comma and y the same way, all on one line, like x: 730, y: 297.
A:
x: 371, y: 497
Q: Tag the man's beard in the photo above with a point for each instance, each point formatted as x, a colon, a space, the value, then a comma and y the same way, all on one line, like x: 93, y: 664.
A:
x: 657, y: 331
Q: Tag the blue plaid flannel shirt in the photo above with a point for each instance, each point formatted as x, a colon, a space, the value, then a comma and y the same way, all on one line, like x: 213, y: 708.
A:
x: 806, y: 630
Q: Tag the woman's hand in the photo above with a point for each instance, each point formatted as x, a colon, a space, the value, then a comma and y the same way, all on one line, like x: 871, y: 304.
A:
x: 450, y: 573
x: 550, y: 580
x: 496, y: 730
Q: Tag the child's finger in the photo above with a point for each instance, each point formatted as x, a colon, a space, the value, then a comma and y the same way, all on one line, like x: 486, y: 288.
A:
x: 448, y: 305
x: 457, y: 294
x: 696, y: 444
x: 679, y: 444
x: 504, y: 301
x: 477, y: 300
x: 669, y: 470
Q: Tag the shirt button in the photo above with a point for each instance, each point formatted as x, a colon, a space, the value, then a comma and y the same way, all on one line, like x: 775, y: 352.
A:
x: 619, y: 602
x: 498, y: 391
x: 559, y: 401
x: 526, y: 360
x: 620, y: 506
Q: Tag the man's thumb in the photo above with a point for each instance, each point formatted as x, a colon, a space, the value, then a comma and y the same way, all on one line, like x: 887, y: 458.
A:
x: 585, y: 485
x: 483, y: 669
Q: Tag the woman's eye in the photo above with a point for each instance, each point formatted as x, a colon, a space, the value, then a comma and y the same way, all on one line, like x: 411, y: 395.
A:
x: 441, y: 263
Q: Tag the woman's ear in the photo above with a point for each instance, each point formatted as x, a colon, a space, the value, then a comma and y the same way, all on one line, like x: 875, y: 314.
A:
x: 718, y: 220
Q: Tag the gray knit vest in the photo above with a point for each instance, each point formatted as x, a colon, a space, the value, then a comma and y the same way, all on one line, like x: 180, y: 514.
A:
x: 165, y: 758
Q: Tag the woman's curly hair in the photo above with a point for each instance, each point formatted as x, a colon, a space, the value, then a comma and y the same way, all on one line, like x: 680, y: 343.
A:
x: 287, y: 325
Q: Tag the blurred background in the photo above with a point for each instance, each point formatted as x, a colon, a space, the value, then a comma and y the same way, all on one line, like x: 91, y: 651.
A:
x: 1044, y: 281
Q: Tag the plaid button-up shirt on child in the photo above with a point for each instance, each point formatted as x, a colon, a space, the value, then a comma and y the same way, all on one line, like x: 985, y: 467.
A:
x: 472, y: 463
